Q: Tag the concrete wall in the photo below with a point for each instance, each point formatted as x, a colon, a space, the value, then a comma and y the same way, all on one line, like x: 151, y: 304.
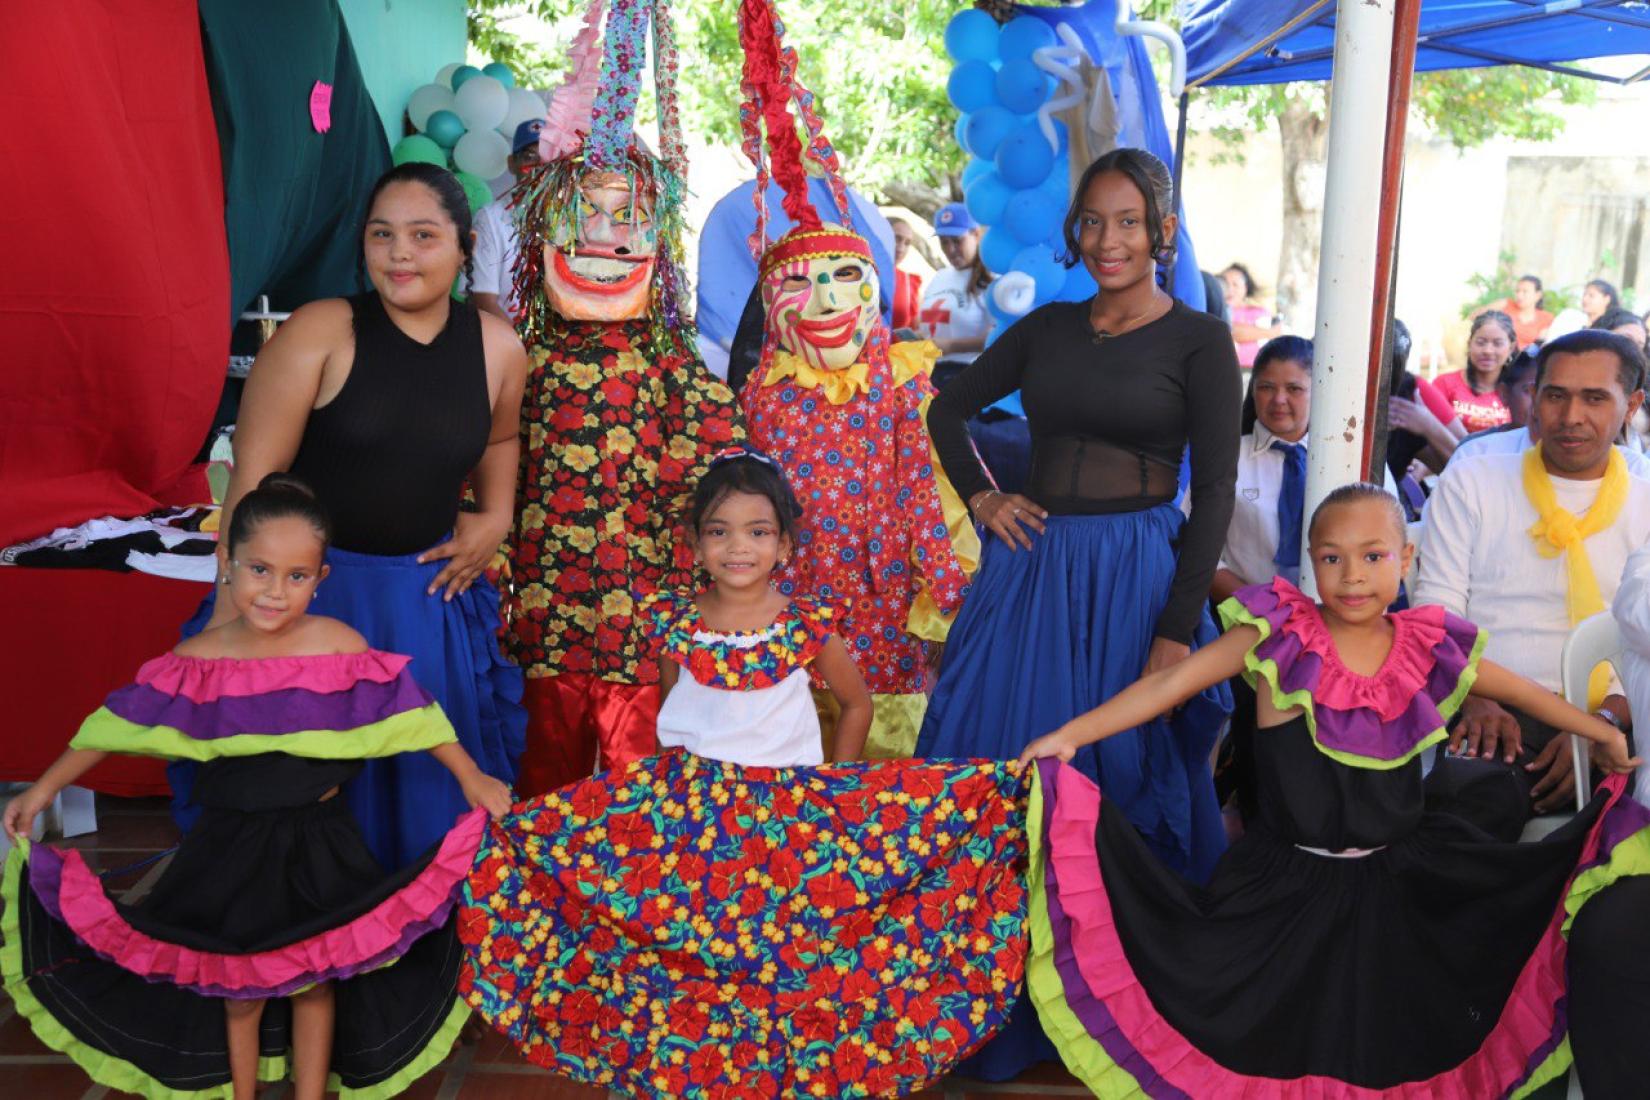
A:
x: 1555, y: 204
x: 401, y: 44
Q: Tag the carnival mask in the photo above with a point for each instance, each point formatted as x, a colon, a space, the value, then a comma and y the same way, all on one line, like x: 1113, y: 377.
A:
x: 607, y: 273
x: 819, y: 291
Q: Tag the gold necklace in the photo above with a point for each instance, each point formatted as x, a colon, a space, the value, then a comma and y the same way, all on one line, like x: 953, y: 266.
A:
x: 1100, y: 336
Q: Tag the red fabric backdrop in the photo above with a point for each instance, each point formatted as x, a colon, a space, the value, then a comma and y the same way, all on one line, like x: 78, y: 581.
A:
x: 114, y: 298
x: 73, y: 636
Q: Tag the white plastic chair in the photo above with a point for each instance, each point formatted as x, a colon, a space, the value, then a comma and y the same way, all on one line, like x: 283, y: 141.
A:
x: 1595, y: 638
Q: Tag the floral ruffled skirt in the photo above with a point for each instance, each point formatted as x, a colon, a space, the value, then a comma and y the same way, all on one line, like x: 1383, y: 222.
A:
x: 687, y: 928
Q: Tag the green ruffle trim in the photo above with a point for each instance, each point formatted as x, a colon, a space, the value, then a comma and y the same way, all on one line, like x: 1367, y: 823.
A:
x: 105, y: 1069
x: 1556, y: 1065
x: 1630, y: 857
x: 1257, y: 669
x: 434, y: 1053
x: 1081, y: 1052
x: 409, y: 731
x: 117, y: 1073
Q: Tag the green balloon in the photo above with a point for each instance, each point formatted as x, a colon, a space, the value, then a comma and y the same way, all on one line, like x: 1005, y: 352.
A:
x: 463, y: 73
x: 420, y: 149
x: 500, y: 72
x: 475, y: 189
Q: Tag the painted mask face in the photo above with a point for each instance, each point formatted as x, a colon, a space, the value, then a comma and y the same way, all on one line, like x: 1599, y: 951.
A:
x: 822, y: 308
x: 609, y: 272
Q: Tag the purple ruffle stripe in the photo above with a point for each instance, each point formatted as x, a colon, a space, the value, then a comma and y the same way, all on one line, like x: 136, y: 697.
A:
x: 1096, y: 1019
x: 290, y: 710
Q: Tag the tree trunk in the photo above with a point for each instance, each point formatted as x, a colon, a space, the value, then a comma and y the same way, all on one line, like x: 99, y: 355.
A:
x: 1304, y: 131
x: 921, y: 200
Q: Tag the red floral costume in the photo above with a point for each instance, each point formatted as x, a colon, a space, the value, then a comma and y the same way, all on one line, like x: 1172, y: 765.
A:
x: 614, y: 435
x: 882, y: 534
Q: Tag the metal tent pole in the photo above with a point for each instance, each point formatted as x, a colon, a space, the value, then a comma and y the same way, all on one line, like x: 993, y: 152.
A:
x: 1347, y: 260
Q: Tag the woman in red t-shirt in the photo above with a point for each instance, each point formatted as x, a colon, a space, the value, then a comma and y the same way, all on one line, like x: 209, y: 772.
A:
x: 1491, y: 344
x: 907, y: 284
x: 1530, y: 322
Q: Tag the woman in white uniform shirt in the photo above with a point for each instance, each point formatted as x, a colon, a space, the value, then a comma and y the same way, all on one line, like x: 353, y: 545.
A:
x: 1275, y: 415
x: 953, y: 313
x: 1271, y: 458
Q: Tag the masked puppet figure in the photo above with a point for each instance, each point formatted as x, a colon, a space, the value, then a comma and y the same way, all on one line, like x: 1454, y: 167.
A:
x: 620, y: 415
x: 843, y: 411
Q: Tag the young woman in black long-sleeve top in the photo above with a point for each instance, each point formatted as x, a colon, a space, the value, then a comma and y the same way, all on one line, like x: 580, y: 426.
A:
x: 1094, y: 576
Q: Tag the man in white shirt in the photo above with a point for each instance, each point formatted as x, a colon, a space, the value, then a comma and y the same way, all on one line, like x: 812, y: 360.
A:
x: 1479, y: 559
x: 494, y: 266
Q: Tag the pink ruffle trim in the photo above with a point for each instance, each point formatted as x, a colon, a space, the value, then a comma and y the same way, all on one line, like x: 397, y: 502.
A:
x: 205, y: 679
x: 1416, y: 634
x: 369, y: 938
x: 1526, y: 1022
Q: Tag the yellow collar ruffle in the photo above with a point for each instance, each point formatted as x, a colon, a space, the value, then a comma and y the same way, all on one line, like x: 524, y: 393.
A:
x: 840, y: 386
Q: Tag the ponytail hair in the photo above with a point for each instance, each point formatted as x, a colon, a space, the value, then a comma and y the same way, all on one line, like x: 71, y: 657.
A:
x: 278, y: 496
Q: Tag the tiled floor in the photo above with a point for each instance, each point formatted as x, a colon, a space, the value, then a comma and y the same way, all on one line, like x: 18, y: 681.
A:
x: 131, y: 830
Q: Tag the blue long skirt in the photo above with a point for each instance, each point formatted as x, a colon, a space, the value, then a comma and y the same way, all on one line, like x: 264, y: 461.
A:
x: 1048, y: 634
x: 406, y: 803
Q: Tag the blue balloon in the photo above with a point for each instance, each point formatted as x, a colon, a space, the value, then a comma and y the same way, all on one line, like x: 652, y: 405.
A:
x: 1080, y: 285
x: 1058, y: 184
x: 986, y: 197
x: 1032, y: 216
x: 987, y: 128
x: 972, y: 85
x: 1021, y: 86
x: 445, y: 128
x: 1024, y: 159
x: 959, y: 131
x: 1022, y: 35
x: 976, y: 168
x: 500, y: 72
x: 1048, y: 273
x: 998, y: 249
x: 971, y: 36
x: 461, y: 74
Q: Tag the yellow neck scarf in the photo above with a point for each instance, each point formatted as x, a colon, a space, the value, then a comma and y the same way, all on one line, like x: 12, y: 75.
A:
x: 839, y: 385
x: 1557, y: 531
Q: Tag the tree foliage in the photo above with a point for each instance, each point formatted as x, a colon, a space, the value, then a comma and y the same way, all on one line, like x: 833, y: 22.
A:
x: 877, y: 69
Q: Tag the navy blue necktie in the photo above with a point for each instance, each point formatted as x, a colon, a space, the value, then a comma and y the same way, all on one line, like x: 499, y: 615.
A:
x: 1291, y: 501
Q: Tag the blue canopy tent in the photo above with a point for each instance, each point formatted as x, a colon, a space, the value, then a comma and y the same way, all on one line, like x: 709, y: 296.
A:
x: 1236, y: 42
x: 1276, y: 41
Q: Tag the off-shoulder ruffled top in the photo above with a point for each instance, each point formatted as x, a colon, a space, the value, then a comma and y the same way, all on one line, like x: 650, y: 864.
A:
x: 1380, y: 721
x: 742, y: 661
x: 338, y: 706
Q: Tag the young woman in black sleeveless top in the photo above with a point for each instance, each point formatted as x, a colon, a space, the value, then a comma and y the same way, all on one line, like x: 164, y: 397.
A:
x: 387, y: 404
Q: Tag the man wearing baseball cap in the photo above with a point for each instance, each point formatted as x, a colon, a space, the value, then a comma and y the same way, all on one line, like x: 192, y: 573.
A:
x: 496, y: 244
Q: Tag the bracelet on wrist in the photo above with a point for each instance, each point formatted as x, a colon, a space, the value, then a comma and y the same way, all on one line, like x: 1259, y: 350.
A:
x: 1610, y: 716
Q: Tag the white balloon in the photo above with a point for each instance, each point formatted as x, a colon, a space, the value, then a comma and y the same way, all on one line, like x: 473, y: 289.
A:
x: 1015, y: 292
x: 483, y: 106
x: 525, y: 105
x: 445, y: 76
x: 483, y: 152
x: 426, y: 101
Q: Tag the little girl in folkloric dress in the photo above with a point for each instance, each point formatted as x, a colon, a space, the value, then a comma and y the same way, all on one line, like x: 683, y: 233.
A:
x: 735, y: 917
x: 273, y: 943
x: 1352, y: 943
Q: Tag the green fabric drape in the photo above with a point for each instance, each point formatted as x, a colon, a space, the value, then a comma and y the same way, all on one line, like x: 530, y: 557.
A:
x: 293, y: 197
